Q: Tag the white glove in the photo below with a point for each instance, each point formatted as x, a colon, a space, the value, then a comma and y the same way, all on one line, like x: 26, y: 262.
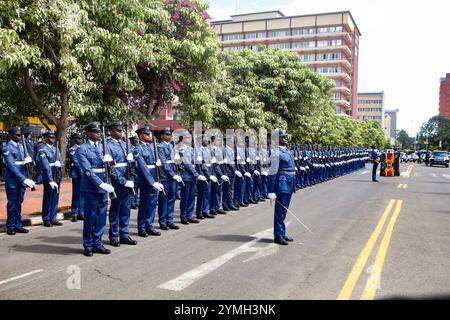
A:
x: 296, y: 169
x: 158, y: 163
x: 54, y: 185
x: 248, y: 174
x: 107, y: 158
x: 257, y: 172
x: 272, y: 196
x: 177, y: 178
x: 57, y: 164
x: 213, y: 179
x: 130, y: 157
x: 202, y: 178
x: 27, y: 160
x: 107, y: 187
x: 225, y: 178
x: 265, y: 173
x: 238, y: 173
x: 158, y: 186
x: 129, y: 184
x: 29, y: 183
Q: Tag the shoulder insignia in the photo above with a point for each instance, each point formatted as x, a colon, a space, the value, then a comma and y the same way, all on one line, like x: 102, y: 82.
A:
x: 72, y: 152
x: 42, y: 155
x: 6, y: 152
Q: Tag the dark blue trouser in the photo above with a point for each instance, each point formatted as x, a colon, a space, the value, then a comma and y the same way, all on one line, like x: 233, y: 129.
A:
x: 279, y: 229
x: 239, y: 190
x: 77, y: 200
x: 228, y: 189
x: 203, y: 197
x: 187, y: 200
x: 166, y: 203
x: 248, y: 194
x: 14, y: 195
x: 94, y: 224
x: 216, y: 196
x: 147, y: 207
x: 50, y: 203
x: 119, y: 213
x: 374, y: 171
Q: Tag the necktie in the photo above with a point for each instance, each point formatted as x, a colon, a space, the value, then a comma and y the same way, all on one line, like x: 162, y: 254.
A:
x: 21, y: 152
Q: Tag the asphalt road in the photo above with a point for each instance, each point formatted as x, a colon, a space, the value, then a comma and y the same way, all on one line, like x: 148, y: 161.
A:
x: 368, y: 240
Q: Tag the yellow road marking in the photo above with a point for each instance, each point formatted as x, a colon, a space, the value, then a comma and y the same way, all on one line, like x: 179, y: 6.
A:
x: 400, y: 186
x: 353, y: 277
x: 373, y: 281
x: 408, y: 171
x: 405, y: 186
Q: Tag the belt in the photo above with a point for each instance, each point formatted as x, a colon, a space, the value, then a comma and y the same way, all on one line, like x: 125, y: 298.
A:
x: 287, y: 173
x: 98, y: 170
x: 208, y: 165
x: 243, y: 162
x: 19, y: 163
x: 151, y: 166
x: 169, y: 161
x: 120, y: 165
x: 51, y: 164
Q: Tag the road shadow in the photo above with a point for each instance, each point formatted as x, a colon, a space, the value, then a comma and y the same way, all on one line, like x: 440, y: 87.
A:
x: 228, y: 238
x: 47, y: 249
x: 61, y: 240
x: 427, y: 297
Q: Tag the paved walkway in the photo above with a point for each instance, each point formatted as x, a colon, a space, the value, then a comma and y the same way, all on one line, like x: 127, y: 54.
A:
x: 33, y: 200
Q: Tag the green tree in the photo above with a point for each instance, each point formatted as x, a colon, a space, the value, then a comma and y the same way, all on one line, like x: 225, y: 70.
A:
x: 436, y: 130
x: 404, y: 139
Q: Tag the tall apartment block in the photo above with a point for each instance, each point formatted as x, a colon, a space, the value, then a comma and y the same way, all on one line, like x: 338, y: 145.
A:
x: 328, y: 43
x: 444, y: 97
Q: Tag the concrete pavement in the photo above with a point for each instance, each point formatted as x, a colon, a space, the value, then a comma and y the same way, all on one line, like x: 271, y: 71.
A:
x: 233, y: 256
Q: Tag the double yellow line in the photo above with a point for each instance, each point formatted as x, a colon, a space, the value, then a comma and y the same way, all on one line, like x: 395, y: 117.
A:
x: 408, y: 171
x: 375, y: 272
x: 402, y: 186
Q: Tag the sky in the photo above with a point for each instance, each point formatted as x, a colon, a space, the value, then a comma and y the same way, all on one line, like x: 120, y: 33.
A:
x: 404, y: 48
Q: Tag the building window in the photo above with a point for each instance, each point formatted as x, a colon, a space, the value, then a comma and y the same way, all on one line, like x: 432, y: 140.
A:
x: 336, y: 96
x: 308, y: 57
x: 329, y: 70
x: 235, y: 36
x: 338, y: 83
x: 304, y: 44
x: 279, y: 46
x: 279, y: 33
x: 335, y: 43
x: 331, y: 56
x: 338, y: 110
x: 330, y: 29
x: 303, y: 31
x: 255, y: 35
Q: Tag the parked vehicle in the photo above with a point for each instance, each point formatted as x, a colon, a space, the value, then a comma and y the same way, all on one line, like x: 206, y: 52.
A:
x: 440, y: 158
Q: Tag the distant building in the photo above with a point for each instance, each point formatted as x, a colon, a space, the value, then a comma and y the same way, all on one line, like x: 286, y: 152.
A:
x: 444, y: 97
x: 371, y: 106
x: 393, y: 115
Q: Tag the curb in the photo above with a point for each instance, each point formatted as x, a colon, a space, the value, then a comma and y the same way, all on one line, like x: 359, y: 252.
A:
x: 36, y: 220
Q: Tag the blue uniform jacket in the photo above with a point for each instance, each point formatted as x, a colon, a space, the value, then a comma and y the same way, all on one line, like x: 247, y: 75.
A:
x: 187, y: 154
x: 146, y: 164
x: 117, y: 150
x: 240, y: 160
x: 75, y: 171
x: 229, y: 155
x: 91, y: 164
x: 283, y: 179
x: 165, y: 152
x: 15, y: 170
x: 47, y: 158
x: 216, y: 154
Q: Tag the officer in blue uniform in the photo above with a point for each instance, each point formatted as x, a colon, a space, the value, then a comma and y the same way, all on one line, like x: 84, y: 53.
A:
x: 281, y: 186
x: 51, y: 178
x: 242, y: 174
x: 134, y: 198
x: 190, y: 177
x: 232, y: 172
x: 16, y: 180
x: 120, y: 209
x: 94, y: 190
x: 169, y: 178
x: 375, y: 156
x: 29, y: 141
x: 217, y: 170
x: 77, y: 210
x: 203, y: 158
x: 146, y: 181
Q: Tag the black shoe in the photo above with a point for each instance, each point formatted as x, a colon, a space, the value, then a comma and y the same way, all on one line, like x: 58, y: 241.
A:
x: 153, y: 232
x: 234, y: 208
x: 114, y: 242
x: 221, y: 212
x: 193, y: 221
x: 174, y: 227
x: 21, y: 230
x: 200, y: 217
x: 226, y: 209
x: 74, y: 219
x: 213, y: 213
x: 262, y: 199
x: 88, y: 253
x: 246, y: 203
x: 288, y: 239
x: 375, y: 181
x: 254, y: 201
x: 164, y: 227
x: 184, y: 222
x: 48, y: 224
x: 81, y: 218
x: 10, y: 232
x: 128, y: 241
x: 102, y: 250
x: 143, y: 234
x: 208, y: 216
x: 280, y: 240
x: 57, y: 223
x: 243, y: 204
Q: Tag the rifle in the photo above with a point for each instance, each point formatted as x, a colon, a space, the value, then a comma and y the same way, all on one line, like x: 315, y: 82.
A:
x: 107, y: 165
x: 131, y: 164
x: 177, y: 161
x: 158, y: 169
x: 29, y: 167
x: 58, y: 172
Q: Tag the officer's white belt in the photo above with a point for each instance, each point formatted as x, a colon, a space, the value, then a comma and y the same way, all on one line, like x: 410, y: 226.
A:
x: 151, y: 166
x: 51, y: 164
x: 19, y: 163
x: 98, y: 170
x: 120, y: 165
x: 169, y: 161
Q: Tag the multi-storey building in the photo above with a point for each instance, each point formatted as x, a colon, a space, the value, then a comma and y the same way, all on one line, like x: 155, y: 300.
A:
x: 393, y: 115
x: 444, y: 97
x: 328, y: 43
x: 370, y: 106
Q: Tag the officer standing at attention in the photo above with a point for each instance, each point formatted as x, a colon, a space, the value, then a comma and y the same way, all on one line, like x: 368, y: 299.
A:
x: 94, y: 190
x: 119, y: 212
x: 50, y: 178
x: 281, y: 186
x: 146, y: 181
x: 375, y: 156
x: 190, y: 177
x: 217, y: 165
x: 75, y: 174
x: 16, y: 180
x: 232, y: 172
x: 169, y: 178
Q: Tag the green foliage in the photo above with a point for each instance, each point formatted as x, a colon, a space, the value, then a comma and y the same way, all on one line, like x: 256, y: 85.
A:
x: 436, y: 130
x: 404, y: 139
